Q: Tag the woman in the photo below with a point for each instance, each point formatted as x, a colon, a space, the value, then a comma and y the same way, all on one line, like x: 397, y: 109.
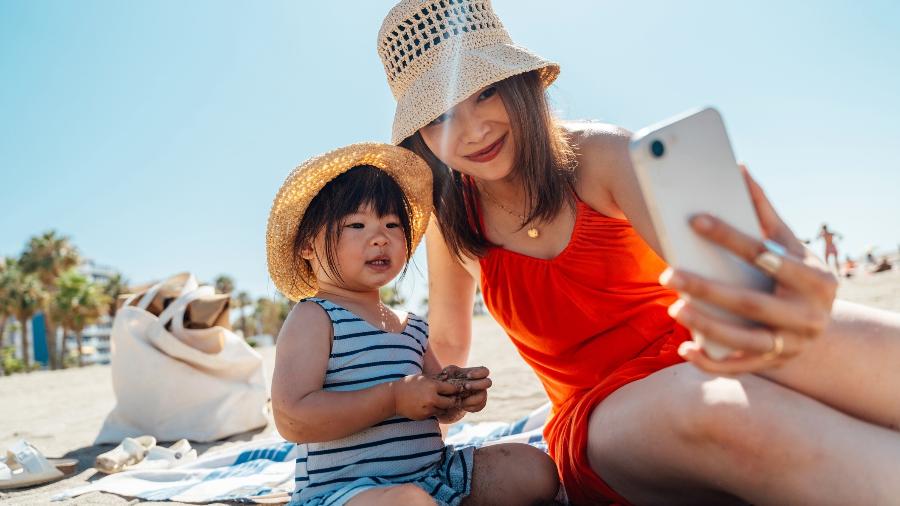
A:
x: 549, y: 220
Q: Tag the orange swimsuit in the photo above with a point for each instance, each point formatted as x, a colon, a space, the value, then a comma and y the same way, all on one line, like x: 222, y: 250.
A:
x: 588, y: 322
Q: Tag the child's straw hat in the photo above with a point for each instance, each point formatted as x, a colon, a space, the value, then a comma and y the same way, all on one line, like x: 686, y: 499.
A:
x: 436, y: 53
x: 293, y: 277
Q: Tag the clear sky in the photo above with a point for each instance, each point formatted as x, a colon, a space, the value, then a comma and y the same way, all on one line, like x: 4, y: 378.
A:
x: 155, y: 134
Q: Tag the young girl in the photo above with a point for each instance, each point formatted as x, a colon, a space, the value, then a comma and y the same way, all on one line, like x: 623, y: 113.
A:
x: 355, y: 384
x: 548, y: 219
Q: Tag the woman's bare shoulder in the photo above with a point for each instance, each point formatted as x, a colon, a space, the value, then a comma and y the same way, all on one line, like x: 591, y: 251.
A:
x: 598, y: 141
x: 602, y: 155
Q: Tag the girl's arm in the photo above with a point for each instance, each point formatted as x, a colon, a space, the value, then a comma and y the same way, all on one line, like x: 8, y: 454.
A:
x: 305, y: 413
x: 451, y: 296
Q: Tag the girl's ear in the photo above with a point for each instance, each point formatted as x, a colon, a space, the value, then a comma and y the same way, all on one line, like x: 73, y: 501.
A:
x: 306, y: 252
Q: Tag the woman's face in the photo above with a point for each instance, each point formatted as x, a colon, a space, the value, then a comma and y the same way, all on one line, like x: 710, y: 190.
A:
x: 474, y: 137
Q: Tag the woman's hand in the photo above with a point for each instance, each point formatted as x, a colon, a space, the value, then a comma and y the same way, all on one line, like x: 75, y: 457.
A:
x: 797, y: 312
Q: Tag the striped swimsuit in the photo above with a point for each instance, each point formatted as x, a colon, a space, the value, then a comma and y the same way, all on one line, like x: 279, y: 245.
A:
x: 394, y: 451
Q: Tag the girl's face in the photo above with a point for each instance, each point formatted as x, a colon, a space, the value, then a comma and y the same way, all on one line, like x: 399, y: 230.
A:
x: 370, y: 252
x: 474, y: 137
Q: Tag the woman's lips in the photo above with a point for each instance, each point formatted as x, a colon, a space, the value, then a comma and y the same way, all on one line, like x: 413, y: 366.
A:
x: 489, y: 153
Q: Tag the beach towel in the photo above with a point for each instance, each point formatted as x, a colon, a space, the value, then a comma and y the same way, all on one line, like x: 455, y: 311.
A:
x: 262, y: 471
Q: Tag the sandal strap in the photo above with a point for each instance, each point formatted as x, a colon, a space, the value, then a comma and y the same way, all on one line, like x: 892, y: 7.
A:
x: 28, y: 457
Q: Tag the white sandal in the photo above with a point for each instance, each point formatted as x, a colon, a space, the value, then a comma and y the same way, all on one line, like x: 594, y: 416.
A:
x: 24, y: 466
x: 129, y: 452
x: 166, y: 458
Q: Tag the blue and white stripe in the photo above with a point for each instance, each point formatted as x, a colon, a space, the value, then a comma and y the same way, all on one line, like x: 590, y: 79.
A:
x: 396, y: 449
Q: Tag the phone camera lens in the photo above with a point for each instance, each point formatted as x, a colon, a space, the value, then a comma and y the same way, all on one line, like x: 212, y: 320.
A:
x: 657, y: 148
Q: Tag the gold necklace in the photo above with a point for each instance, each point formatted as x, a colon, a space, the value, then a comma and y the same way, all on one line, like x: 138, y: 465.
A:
x: 532, y: 232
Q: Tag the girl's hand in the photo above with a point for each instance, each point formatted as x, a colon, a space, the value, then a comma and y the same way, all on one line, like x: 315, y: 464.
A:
x: 418, y: 397
x: 797, y: 312
x: 474, y: 382
x: 471, y: 404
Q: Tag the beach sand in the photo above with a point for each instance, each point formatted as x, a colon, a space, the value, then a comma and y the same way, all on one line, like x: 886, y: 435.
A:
x: 61, y: 412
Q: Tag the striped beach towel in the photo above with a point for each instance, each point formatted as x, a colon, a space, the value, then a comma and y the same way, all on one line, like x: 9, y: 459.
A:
x: 262, y: 471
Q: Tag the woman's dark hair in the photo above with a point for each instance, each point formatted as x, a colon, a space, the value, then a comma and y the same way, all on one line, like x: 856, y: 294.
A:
x: 356, y: 188
x: 544, y: 159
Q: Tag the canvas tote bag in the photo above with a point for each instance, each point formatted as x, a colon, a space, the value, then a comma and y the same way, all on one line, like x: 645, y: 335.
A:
x: 201, y: 385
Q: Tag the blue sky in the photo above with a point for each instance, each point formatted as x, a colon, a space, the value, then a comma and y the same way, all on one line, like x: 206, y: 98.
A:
x: 156, y: 134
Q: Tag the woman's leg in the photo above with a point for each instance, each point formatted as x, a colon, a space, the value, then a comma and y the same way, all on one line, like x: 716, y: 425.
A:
x: 512, y: 474
x: 681, y: 436
x: 852, y: 366
x: 391, y: 496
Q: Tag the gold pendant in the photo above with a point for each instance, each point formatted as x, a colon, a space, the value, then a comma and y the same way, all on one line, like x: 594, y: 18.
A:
x: 533, y: 233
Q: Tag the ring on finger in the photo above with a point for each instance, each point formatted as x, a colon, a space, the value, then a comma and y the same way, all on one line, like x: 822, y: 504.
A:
x: 777, y: 347
x: 771, y: 259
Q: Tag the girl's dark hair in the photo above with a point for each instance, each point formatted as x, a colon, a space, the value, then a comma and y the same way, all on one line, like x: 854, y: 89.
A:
x: 544, y: 159
x: 361, y: 186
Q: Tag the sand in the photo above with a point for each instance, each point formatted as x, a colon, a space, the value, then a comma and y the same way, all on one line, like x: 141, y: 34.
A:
x: 60, y: 412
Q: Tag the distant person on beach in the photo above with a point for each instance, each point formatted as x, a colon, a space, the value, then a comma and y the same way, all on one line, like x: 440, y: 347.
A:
x: 883, y: 265
x: 356, y: 384
x: 849, y: 267
x: 870, y: 257
x: 830, y: 246
x: 547, y: 218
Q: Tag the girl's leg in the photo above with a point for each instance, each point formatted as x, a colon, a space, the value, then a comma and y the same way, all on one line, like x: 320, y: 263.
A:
x: 512, y: 474
x: 681, y: 436
x: 392, y: 496
x: 852, y: 366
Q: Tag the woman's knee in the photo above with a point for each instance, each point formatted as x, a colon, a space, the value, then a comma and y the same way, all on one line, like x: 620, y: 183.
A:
x: 682, y: 404
x: 718, y: 411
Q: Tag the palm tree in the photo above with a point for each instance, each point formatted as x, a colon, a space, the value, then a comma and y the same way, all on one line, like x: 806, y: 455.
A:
x: 79, y: 303
x: 25, y: 297
x: 284, y: 309
x: 271, y: 313
x: 48, y: 256
x: 62, y: 306
x: 241, y: 301
x: 5, y: 309
x: 116, y: 285
x: 224, y: 283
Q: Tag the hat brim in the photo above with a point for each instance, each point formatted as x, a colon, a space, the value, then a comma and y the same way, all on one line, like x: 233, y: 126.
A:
x: 463, y: 72
x: 292, y: 276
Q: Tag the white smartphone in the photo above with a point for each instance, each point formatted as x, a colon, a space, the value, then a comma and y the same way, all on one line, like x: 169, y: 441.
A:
x: 685, y: 165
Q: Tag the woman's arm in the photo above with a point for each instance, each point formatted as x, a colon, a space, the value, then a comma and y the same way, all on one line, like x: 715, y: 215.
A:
x: 799, y: 309
x: 451, y: 295
x: 305, y: 413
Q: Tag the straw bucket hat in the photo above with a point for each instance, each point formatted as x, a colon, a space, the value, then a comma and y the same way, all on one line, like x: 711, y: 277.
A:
x: 436, y: 53
x: 293, y: 277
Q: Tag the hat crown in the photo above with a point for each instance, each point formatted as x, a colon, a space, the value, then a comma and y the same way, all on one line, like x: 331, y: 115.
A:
x: 415, y: 34
x: 294, y: 277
